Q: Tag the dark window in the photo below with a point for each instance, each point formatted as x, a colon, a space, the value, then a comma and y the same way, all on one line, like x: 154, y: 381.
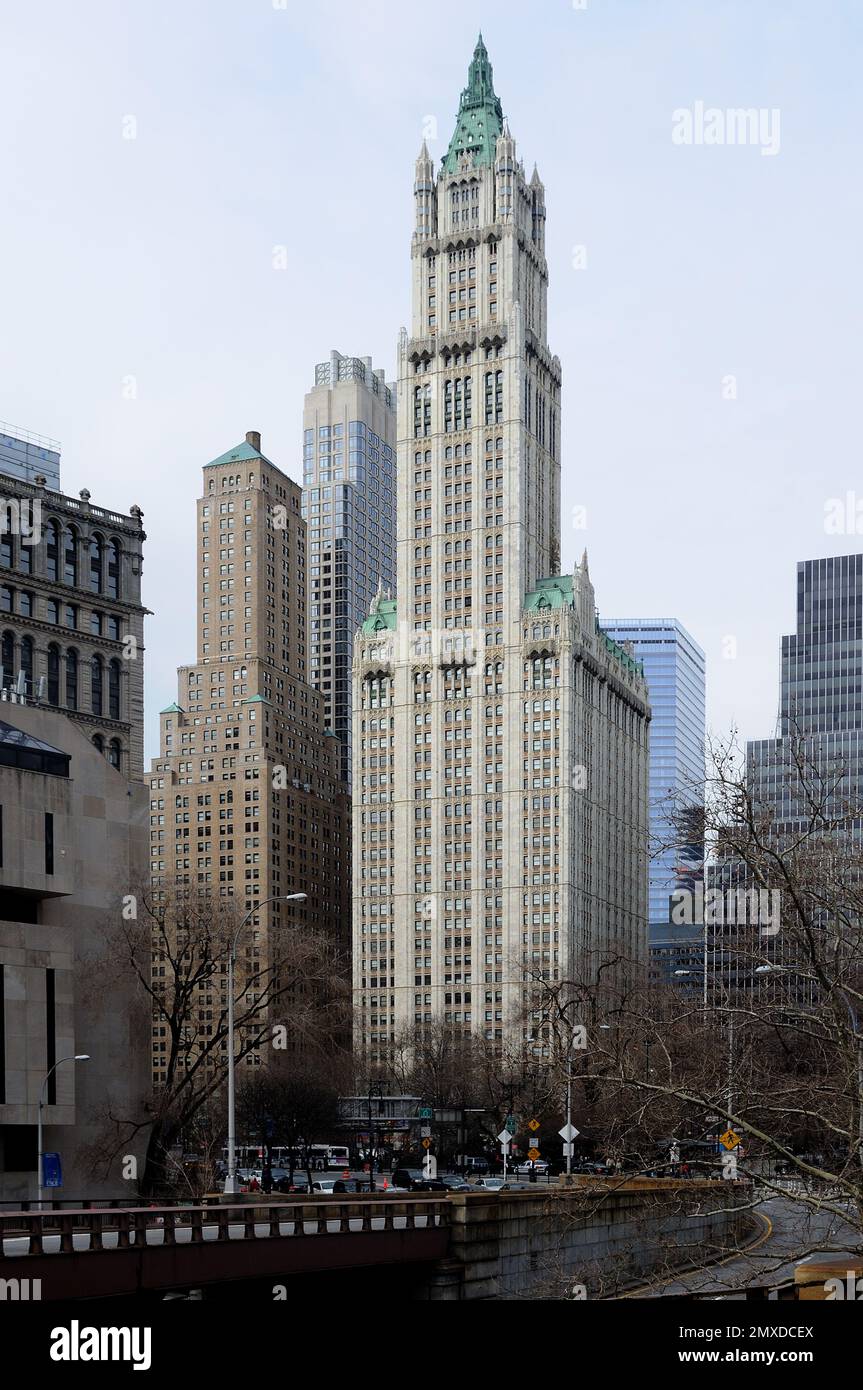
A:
x: 98, y: 741
x: 7, y: 656
x: 96, y: 564
x: 52, y: 611
x: 27, y: 658
x: 6, y: 603
x: 2, y: 1037
x: 71, y: 615
x: 114, y: 753
x: 7, y: 550
x: 25, y: 558
x: 50, y: 1037
x: 113, y: 627
x: 25, y: 604
x: 70, y: 555
x: 52, y: 550
x: 49, y: 843
x: 53, y: 675
x: 71, y: 679
x: 114, y: 690
x: 114, y: 569
x: 96, y: 624
x: 96, y: 685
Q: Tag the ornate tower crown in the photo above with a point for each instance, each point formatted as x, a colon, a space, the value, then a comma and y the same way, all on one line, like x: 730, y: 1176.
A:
x: 480, y: 116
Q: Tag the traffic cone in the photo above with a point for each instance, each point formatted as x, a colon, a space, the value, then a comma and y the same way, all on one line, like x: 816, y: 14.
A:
x: 346, y: 1173
x: 386, y: 1185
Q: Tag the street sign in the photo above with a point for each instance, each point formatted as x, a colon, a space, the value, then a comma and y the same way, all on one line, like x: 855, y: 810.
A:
x: 425, y: 1112
x: 568, y: 1150
x: 729, y: 1139
x: 504, y: 1137
x: 425, y: 1131
x: 511, y: 1123
x: 426, y: 1143
x: 533, y: 1124
x: 533, y: 1154
x: 568, y: 1133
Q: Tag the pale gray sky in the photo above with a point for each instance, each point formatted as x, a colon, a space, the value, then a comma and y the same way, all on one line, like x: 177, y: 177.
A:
x: 259, y: 126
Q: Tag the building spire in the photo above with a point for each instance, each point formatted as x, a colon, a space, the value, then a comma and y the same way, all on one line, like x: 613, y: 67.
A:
x: 480, y: 115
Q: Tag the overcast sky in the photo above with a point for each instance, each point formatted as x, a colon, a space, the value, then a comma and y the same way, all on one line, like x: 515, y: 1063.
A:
x: 258, y: 127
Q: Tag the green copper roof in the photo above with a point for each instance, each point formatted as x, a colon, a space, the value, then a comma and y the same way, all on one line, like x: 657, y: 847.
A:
x: 553, y: 592
x: 382, y: 620
x: 241, y: 453
x: 172, y: 709
x: 480, y: 116
x: 630, y: 662
x: 256, y: 700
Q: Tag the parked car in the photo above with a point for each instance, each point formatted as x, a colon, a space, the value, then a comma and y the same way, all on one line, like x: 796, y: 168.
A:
x: 533, y: 1165
x: 491, y: 1184
x: 415, y: 1180
x: 453, y: 1183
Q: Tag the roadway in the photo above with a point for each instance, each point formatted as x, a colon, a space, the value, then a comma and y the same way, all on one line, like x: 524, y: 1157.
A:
x: 790, y: 1231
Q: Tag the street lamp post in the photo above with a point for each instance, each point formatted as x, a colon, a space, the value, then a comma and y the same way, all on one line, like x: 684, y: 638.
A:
x: 78, y: 1057
x: 231, y: 1184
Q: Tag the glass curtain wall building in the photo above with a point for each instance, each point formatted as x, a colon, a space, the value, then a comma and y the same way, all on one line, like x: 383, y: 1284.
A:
x: 674, y: 668
x: 349, y: 503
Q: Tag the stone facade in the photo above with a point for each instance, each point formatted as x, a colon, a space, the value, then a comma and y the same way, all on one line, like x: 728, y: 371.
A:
x: 71, y: 614
x: 246, y: 793
x: 73, y: 843
x: 500, y: 739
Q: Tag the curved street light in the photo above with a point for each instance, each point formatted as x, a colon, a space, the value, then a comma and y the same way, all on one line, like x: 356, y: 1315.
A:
x: 78, y: 1057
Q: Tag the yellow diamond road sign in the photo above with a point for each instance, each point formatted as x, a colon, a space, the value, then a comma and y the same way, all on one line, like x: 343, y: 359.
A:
x: 533, y: 1124
x: 729, y: 1139
x: 533, y: 1154
x: 426, y: 1143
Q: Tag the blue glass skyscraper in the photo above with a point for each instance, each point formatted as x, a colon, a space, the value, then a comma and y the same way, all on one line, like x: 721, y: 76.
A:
x: 674, y: 668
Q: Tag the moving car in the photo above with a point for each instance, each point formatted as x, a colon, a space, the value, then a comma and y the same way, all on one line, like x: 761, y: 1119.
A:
x: 491, y: 1184
x: 415, y: 1180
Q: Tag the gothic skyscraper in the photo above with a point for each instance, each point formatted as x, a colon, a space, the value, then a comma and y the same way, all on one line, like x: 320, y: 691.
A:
x: 500, y: 739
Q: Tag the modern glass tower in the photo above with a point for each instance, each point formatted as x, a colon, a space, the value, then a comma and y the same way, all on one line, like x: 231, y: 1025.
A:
x: 821, y: 697
x: 26, y: 456
x: 349, y: 503
x: 674, y: 668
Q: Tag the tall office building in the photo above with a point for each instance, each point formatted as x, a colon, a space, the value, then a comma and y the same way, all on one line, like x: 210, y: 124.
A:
x: 674, y: 668
x: 246, y: 793
x: 25, y: 455
x: 500, y: 738
x: 821, y: 698
x: 349, y: 503
x: 71, y: 617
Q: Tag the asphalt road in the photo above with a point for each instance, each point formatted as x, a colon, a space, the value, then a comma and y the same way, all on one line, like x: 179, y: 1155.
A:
x: 790, y: 1232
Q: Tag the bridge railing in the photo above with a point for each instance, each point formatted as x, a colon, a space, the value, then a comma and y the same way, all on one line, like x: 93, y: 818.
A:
x: 241, y: 1221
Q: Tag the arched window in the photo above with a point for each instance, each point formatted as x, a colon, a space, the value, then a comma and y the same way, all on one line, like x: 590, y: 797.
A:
x: 96, y: 564
x: 53, y: 674
x: 114, y: 569
x: 96, y: 682
x: 114, y: 752
x: 27, y: 659
x: 71, y: 679
x: 70, y: 555
x: 99, y: 743
x: 52, y: 550
x: 7, y: 656
x: 114, y: 690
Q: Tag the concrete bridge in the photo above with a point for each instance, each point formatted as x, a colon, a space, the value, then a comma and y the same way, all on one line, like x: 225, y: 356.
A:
x: 458, y: 1246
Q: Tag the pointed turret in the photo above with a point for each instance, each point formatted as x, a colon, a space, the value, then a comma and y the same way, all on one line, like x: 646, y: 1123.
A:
x: 425, y: 197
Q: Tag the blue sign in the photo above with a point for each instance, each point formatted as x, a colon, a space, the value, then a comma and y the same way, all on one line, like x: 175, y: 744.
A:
x: 52, y: 1171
